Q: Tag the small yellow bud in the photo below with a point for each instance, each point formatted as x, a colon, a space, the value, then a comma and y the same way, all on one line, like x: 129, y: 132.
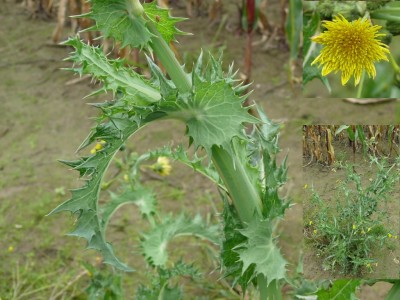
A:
x: 310, y: 223
x: 98, y: 147
x: 354, y: 226
x: 315, y: 231
x: 389, y: 235
x: 126, y: 177
x: 369, y: 229
x: 93, y: 151
x: 162, y: 166
x: 98, y: 259
x: 305, y: 186
x: 10, y: 249
x: 395, y: 237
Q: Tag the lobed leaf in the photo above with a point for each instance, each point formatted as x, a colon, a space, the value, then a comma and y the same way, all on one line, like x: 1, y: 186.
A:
x: 342, y: 289
x: 155, y: 242
x: 114, y: 18
x: 164, y: 23
x: 140, y: 196
x: 112, y: 73
x: 260, y: 251
x: 84, y: 201
x: 230, y: 260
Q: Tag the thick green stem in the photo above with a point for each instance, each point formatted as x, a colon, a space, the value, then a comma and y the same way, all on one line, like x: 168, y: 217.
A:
x: 167, y: 57
x: 243, y: 193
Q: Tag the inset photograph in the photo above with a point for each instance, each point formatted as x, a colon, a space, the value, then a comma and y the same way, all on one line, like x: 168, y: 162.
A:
x: 351, y: 204
x: 351, y: 49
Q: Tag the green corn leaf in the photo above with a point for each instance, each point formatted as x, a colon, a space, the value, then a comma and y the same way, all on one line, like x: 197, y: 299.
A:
x: 342, y: 289
x: 115, y: 19
x: 162, y: 20
x: 260, y: 251
x: 394, y: 292
x: 155, y: 242
x: 112, y: 73
x: 311, y: 50
x: 293, y: 23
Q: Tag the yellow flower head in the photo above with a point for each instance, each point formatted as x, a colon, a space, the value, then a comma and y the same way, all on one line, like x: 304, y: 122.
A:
x: 354, y: 226
x: 350, y: 47
x: 162, y: 166
x: 389, y: 235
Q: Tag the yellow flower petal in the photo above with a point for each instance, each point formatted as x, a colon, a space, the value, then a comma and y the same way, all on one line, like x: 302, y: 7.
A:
x: 350, y: 47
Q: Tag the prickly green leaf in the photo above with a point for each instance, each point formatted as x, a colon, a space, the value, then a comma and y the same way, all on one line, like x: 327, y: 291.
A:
x: 116, y: 19
x: 170, y: 293
x: 342, y: 289
x: 213, y: 114
x: 232, y: 266
x: 155, y: 242
x: 112, y: 73
x: 103, y: 285
x: 260, y: 251
x: 167, y: 87
x: 162, y: 20
x: 165, y: 275
x: 84, y: 201
x: 139, y: 196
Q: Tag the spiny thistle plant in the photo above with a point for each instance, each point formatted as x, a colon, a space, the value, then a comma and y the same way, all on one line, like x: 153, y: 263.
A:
x: 347, y: 232
x: 209, y: 102
x: 231, y: 147
x: 344, y: 37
